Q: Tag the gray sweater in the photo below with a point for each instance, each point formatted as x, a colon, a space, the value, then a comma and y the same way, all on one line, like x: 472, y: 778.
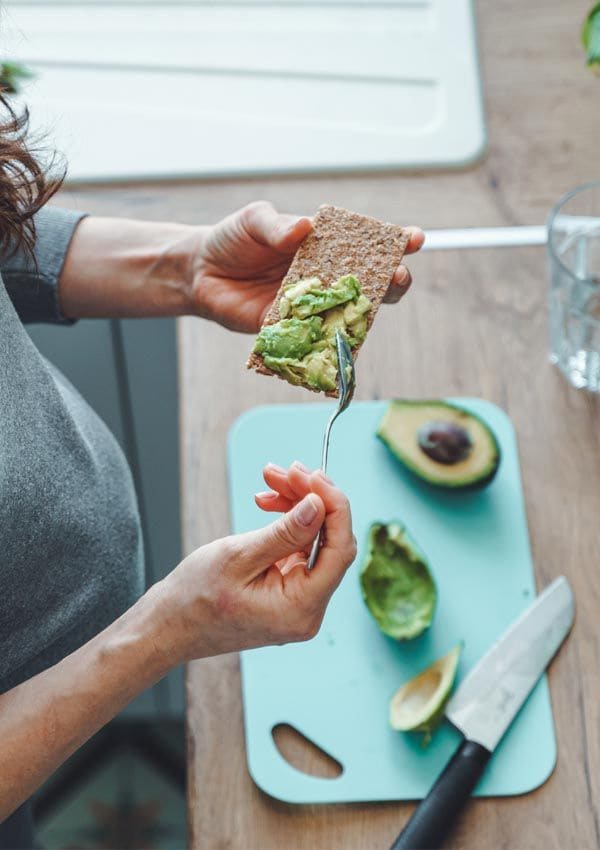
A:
x: 71, y: 557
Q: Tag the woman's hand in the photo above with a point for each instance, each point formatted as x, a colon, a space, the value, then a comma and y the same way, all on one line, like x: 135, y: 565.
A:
x: 229, y: 272
x: 254, y: 589
x: 237, y: 266
x: 236, y: 593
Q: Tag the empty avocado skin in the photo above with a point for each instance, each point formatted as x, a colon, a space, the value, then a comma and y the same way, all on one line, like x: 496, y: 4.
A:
x: 401, y: 431
x: 396, y: 582
x: 425, y: 718
x: 301, y: 346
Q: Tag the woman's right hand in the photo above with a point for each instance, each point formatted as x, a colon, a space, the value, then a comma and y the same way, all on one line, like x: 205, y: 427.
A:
x: 253, y: 589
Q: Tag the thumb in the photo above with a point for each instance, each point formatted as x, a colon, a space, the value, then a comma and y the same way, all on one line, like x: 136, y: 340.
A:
x: 293, y: 532
x: 280, y: 231
x: 290, y: 232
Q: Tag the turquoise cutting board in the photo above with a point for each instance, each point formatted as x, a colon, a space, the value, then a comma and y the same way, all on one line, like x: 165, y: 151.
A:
x: 335, y: 689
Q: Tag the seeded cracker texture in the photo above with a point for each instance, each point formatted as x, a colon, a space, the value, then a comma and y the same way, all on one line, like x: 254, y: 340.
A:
x: 342, y: 242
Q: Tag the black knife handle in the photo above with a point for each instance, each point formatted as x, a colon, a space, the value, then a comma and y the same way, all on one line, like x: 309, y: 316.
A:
x: 433, y: 817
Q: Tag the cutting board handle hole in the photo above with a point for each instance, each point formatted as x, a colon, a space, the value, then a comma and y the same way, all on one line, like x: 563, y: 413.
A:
x: 304, y: 754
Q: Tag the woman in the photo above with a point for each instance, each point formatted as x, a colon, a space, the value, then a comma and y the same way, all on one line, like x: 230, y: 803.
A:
x: 76, y: 645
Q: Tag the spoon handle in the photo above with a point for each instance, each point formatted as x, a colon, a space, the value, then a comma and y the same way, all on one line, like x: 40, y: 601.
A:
x: 317, y: 541
x: 346, y: 384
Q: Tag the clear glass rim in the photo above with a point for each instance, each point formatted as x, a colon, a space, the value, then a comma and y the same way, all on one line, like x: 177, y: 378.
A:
x: 583, y: 187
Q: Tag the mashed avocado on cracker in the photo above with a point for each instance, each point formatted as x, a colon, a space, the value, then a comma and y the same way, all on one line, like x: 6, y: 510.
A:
x: 318, y: 285
x: 301, y: 345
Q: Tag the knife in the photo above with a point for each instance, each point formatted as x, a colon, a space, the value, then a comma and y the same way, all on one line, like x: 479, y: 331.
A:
x: 485, y: 705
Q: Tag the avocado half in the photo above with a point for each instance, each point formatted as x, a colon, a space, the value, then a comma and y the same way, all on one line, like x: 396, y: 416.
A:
x: 441, y: 443
x: 396, y: 582
x: 418, y: 706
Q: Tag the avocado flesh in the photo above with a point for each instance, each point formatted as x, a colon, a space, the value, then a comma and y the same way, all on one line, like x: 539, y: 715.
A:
x: 301, y: 346
x: 317, y: 299
x: 399, y: 430
x: 289, y: 339
x: 396, y: 582
x: 418, y: 706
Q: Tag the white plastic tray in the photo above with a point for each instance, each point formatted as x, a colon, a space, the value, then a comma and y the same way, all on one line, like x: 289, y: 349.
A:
x: 246, y: 87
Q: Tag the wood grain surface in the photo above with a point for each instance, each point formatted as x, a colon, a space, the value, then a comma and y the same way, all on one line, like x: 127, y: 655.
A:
x: 474, y: 324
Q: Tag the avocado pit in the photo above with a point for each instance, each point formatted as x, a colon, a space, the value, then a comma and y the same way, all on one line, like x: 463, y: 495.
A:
x: 444, y: 442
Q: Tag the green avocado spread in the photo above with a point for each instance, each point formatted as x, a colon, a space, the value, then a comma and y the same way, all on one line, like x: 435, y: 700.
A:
x: 301, y: 345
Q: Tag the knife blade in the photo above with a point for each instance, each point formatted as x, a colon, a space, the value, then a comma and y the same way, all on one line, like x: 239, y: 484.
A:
x: 484, y: 706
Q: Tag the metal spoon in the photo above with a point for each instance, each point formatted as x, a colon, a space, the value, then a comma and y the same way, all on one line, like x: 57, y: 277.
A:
x: 346, y: 384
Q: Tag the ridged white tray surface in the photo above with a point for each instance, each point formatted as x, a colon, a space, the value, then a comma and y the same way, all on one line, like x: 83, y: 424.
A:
x: 133, y: 89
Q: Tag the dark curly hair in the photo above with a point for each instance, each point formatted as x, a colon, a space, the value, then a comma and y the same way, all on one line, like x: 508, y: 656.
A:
x: 25, y: 183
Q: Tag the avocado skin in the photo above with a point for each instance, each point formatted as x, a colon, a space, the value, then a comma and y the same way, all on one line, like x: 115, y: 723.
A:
x: 457, y: 484
x: 429, y: 725
x: 398, y: 538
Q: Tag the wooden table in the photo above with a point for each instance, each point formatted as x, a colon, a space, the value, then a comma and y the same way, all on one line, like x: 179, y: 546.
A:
x: 474, y: 324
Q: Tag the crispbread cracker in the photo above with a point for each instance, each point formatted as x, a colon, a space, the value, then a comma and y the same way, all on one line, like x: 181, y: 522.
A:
x: 340, y: 243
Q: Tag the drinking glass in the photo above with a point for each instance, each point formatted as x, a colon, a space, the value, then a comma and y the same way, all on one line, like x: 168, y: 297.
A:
x: 574, y: 270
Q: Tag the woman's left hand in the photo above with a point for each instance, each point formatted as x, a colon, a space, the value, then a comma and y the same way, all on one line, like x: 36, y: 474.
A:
x: 237, y: 266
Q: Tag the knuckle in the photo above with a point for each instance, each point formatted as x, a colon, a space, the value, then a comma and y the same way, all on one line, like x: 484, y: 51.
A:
x: 352, y: 549
x: 233, y: 551
x: 251, y: 210
x: 309, y: 623
x: 296, y: 634
x: 283, y: 533
x: 303, y: 631
x: 312, y: 628
x: 344, y: 503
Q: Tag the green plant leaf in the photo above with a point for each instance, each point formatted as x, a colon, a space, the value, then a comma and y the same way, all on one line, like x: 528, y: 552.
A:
x: 11, y: 76
x: 590, y: 35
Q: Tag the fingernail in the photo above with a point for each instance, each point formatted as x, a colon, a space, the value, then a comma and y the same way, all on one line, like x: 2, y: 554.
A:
x: 324, y: 476
x: 275, y: 467
x: 301, y: 466
x: 291, y: 227
x: 290, y: 567
x: 306, y: 511
x: 265, y: 494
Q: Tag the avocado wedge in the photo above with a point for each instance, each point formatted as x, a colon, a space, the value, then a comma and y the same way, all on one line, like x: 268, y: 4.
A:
x: 396, y: 582
x: 418, y: 706
x: 441, y: 443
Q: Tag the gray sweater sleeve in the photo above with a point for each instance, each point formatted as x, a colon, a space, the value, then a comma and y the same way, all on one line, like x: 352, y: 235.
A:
x: 34, y: 291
